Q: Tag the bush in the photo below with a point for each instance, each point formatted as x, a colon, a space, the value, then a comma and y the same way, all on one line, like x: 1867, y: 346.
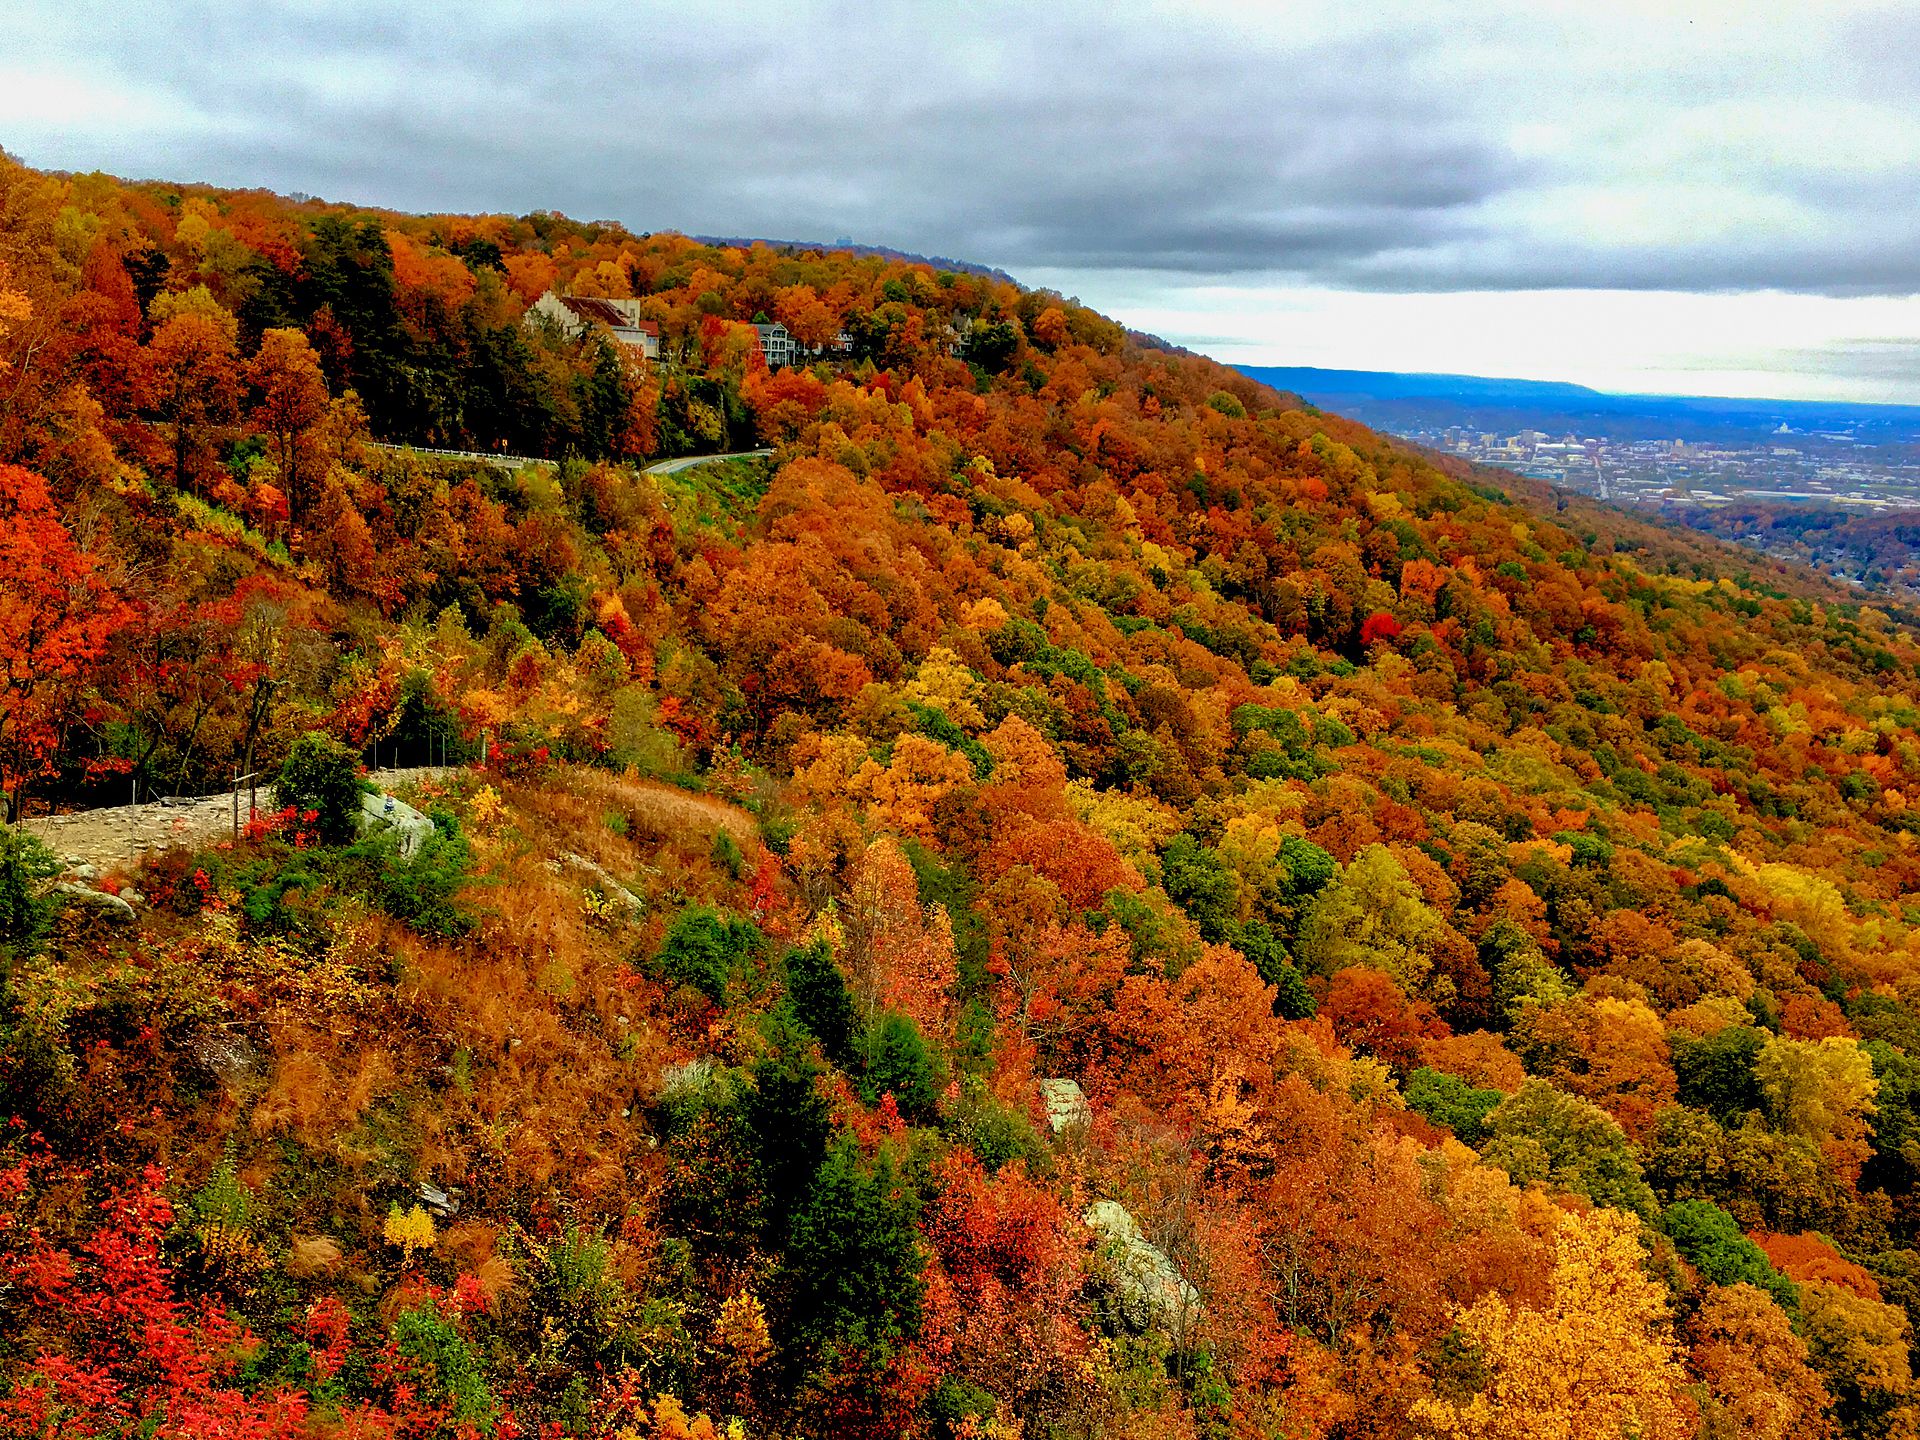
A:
x: 321, y: 775
x: 726, y: 854
x: 997, y: 1133
x: 420, y: 892
x: 26, y: 864
x: 705, y: 949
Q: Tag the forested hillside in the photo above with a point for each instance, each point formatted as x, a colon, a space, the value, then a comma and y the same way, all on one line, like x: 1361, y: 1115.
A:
x: 1480, y: 929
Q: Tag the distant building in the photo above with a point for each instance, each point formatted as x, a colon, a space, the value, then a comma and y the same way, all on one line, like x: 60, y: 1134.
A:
x: 618, y: 320
x: 777, y: 345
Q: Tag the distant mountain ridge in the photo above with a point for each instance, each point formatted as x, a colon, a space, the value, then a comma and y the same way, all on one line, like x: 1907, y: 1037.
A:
x: 1400, y: 401
x: 1385, y: 384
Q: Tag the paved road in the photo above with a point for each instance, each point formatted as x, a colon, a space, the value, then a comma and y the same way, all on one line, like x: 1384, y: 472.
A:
x: 685, y: 462
x: 115, y: 837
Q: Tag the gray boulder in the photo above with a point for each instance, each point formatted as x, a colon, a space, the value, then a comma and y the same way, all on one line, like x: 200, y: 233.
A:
x: 1152, y: 1290
x: 110, y: 908
x: 612, y: 888
x: 1066, y: 1104
x: 384, y: 812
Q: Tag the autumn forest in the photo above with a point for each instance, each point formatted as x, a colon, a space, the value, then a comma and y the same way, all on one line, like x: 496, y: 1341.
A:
x: 1058, y: 892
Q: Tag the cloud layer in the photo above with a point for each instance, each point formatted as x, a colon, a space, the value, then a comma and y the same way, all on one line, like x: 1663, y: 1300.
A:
x: 1379, y: 147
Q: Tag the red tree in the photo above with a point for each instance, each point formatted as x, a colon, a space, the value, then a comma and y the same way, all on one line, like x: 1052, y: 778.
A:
x: 57, y: 612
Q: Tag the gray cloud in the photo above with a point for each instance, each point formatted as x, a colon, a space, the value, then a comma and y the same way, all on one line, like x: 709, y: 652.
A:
x: 1436, y: 148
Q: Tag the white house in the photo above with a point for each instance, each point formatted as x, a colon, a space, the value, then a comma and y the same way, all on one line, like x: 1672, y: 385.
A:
x: 777, y: 345
x: 618, y: 320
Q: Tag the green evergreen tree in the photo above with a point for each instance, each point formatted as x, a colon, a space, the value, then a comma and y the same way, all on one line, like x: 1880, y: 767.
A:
x: 821, y: 1001
x: 853, y: 1267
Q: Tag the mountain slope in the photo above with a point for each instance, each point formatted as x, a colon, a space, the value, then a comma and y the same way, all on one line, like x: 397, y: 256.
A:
x: 1480, y: 924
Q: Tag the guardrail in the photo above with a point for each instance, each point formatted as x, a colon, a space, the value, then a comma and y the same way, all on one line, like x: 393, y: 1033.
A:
x: 503, y: 462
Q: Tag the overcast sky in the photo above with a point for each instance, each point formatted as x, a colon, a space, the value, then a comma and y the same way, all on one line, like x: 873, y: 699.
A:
x: 1653, y: 196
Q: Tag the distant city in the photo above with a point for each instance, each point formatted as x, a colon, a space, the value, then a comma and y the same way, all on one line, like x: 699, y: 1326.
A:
x: 1832, y: 485
x: 1827, y: 467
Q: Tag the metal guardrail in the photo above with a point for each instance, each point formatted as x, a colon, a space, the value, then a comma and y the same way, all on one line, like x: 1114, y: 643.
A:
x: 512, y: 462
x: 504, y: 462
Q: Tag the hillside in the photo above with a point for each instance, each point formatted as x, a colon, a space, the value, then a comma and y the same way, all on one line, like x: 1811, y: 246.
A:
x: 1072, y: 898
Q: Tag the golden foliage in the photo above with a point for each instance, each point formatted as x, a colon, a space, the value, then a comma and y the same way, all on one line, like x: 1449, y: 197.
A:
x: 1597, y: 1359
x: 409, y: 1230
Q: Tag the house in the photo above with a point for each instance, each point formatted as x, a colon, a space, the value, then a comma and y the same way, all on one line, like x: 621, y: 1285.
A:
x: 618, y: 320
x: 777, y: 345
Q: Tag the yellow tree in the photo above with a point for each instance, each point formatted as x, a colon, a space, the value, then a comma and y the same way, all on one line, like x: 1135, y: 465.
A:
x: 1597, y: 1359
x: 1821, y: 1090
x: 1754, y: 1376
x: 192, y: 378
x: 1373, y: 916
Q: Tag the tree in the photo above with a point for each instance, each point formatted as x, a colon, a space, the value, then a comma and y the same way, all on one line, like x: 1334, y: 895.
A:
x: 818, y: 993
x: 1754, y: 1378
x: 193, y: 379
x: 26, y: 864
x: 1716, y: 1072
x: 1373, y: 916
x: 706, y: 949
x: 789, y: 1119
x: 1597, y: 1358
x: 1609, y: 1049
x: 902, y: 952
x: 1822, y: 1091
x: 320, y: 777
x: 900, y: 1066
x: 291, y: 398
x: 1369, y: 1012
x: 57, y: 615
x: 1860, y: 1347
x: 1542, y: 1133
x: 1714, y: 1244
x: 853, y: 1262
x: 1450, y: 1101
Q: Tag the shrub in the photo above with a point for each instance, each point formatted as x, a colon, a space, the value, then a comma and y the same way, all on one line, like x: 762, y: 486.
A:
x: 726, y: 854
x: 420, y: 892
x: 706, y: 948
x: 443, y: 1360
x: 997, y: 1133
x: 321, y: 775
x: 25, y: 910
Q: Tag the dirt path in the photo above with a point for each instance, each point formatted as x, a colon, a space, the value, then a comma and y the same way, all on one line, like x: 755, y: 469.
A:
x: 118, y: 836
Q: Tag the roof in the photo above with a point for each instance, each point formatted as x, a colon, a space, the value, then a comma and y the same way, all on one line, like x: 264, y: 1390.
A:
x: 613, y: 315
x: 589, y: 307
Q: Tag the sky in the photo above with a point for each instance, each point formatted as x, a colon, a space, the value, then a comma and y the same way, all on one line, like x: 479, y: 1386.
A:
x: 1660, y: 197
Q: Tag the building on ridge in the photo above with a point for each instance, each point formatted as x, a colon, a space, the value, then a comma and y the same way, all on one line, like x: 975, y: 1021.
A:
x: 618, y: 320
